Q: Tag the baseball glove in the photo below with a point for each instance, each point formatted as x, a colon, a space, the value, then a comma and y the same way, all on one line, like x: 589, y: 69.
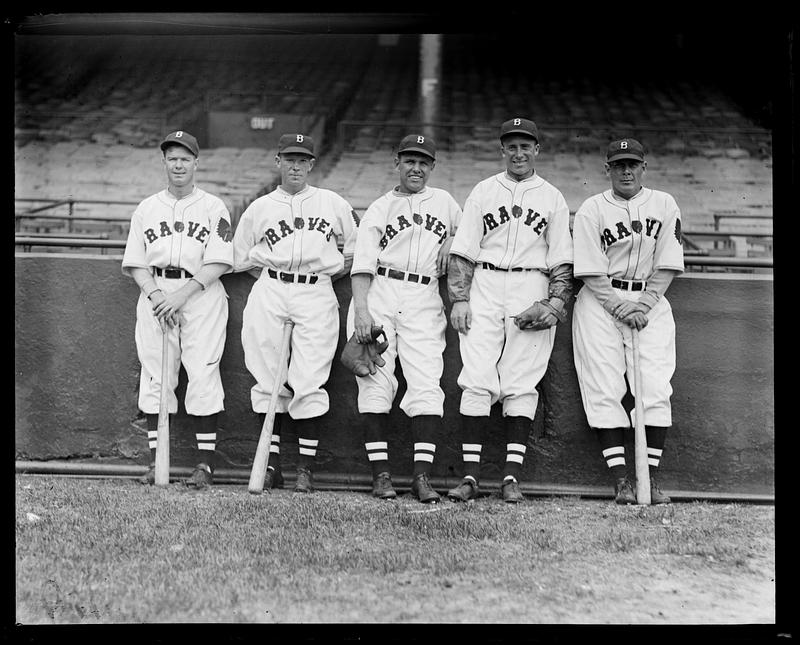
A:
x: 362, y: 358
x: 540, y: 315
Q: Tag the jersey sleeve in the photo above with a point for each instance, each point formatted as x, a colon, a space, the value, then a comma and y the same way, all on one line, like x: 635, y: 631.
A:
x: 467, y: 242
x: 219, y: 248
x: 367, y: 246
x: 455, y: 215
x: 134, y: 254
x: 589, y: 256
x: 669, y: 245
x: 347, y: 228
x: 558, y: 236
x: 244, y: 239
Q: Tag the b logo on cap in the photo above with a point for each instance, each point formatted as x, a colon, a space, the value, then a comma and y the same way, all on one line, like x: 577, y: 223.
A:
x: 299, y: 138
x: 420, y: 139
x: 179, y: 134
x: 517, y: 121
x: 623, y: 145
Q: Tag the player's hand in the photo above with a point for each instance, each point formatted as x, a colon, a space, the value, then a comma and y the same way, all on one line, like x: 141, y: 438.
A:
x: 625, y: 308
x: 636, y: 320
x: 363, y: 325
x: 170, y: 307
x: 443, y: 258
x: 536, y: 317
x: 461, y: 316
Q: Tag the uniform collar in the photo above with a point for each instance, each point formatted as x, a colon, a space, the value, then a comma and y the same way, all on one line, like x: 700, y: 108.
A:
x: 283, y: 193
x: 643, y: 191
x: 169, y: 194
x: 534, y: 179
x: 396, y: 191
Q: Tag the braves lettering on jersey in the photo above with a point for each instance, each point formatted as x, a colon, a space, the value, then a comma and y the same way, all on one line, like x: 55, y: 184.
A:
x: 628, y: 239
x: 515, y: 224
x: 404, y: 232
x: 300, y: 233
x: 185, y: 233
x: 295, y: 240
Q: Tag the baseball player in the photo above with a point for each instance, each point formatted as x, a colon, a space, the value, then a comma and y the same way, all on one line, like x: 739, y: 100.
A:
x: 401, y: 250
x: 513, y: 248
x: 628, y: 249
x: 293, y: 236
x: 178, y: 246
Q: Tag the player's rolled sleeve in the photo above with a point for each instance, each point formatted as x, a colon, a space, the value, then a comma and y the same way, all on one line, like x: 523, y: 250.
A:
x: 134, y: 255
x: 467, y: 240
x: 369, y: 234
x: 558, y: 236
x: 589, y: 258
x: 244, y: 240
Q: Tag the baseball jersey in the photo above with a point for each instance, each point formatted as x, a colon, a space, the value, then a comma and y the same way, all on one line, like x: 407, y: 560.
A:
x: 405, y: 231
x: 628, y: 239
x: 186, y: 233
x: 514, y: 224
x: 298, y: 233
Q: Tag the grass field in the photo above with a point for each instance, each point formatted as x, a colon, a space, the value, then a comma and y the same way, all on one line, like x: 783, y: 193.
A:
x: 112, y: 551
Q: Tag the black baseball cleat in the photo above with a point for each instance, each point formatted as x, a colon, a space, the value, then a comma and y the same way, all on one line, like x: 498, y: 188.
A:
x: 149, y: 478
x: 382, y: 486
x: 511, y: 492
x: 421, y: 489
x: 623, y: 492
x: 304, y: 482
x: 656, y: 496
x: 273, y: 478
x: 200, y: 478
x: 465, y: 491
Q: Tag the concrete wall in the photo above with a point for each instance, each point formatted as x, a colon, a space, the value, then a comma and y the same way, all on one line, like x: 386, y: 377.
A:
x: 77, y: 375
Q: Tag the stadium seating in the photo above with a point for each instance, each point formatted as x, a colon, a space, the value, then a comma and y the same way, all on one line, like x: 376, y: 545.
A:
x: 91, y: 110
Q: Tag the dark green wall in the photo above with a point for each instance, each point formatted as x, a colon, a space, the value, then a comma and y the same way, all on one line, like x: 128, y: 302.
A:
x: 77, y: 376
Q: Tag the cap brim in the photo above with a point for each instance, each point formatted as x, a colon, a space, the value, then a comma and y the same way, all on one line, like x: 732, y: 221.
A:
x: 167, y: 144
x: 302, y: 151
x: 625, y: 155
x: 427, y: 153
x: 525, y: 132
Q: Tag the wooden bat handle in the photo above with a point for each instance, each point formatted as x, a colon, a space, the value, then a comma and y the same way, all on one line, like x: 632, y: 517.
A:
x: 162, y: 434
x: 259, y: 469
x: 640, y: 436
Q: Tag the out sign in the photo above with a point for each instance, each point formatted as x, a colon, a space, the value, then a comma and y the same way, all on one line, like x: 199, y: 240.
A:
x: 262, y: 122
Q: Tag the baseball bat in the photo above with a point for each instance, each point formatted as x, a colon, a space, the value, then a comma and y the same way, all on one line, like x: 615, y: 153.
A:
x: 259, y: 470
x: 640, y: 436
x: 162, y: 434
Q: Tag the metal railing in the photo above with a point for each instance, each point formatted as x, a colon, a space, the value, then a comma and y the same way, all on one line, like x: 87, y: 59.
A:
x: 41, y: 212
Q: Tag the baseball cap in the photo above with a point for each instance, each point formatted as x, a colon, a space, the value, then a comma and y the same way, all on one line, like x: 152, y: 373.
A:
x: 418, y: 143
x: 624, y: 149
x: 182, y: 138
x: 296, y: 143
x: 519, y: 126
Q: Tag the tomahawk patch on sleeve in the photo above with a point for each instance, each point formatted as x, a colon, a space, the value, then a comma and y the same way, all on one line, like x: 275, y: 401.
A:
x: 678, y: 231
x: 224, y: 230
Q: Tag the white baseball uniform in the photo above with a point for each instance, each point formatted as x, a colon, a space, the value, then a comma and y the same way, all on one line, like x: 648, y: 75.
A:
x: 181, y: 235
x: 514, y: 232
x: 626, y: 240
x: 398, y: 242
x: 295, y: 240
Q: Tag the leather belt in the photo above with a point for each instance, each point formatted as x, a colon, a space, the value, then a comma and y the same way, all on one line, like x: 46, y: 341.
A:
x: 172, y: 272
x: 292, y: 277
x: 628, y: 285
x: 403, y: 275
x: 492, y: 267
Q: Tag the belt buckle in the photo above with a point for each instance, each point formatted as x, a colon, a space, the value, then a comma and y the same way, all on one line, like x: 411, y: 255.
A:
x: 286, y: 277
